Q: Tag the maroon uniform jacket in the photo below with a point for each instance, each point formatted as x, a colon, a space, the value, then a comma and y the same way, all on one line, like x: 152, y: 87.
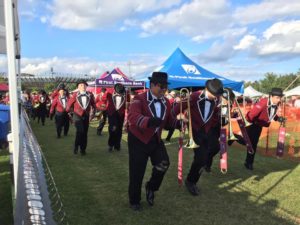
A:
x: 141, y: 110
x: 76, y: 103
x: 101, y: 101
x: 197, y: 99
x: 111, y: 104
x: 35, y: 100
x: 171, y: 100
x: 57, y: 105
x: 259, y: 114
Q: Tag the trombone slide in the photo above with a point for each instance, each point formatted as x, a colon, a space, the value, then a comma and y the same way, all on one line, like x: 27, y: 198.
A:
x: 245, y: 136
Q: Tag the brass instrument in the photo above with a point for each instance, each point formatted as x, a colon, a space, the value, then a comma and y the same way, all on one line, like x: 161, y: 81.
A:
x: 190, y: 143
x: 241, y: 114
x: 228, y: 115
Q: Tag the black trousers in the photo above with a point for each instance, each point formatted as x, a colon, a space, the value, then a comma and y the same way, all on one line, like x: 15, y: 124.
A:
x: 115, y: 129
x: 170, y: 133
x: 200, y: 155
x: 42, y: 113
x: 34, y: 113
x: 62, y: 121
x: 82, y: 127
x: 254, y: 132
x: 139, y: 153
x: 102, y: 122
x: 213, y: 145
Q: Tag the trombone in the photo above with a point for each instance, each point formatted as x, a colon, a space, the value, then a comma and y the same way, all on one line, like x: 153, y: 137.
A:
x: 227, y: 114
x: 190, y: 143
x: 242, y: 114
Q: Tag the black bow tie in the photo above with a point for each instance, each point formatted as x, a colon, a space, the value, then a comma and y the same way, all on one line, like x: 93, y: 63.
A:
x: 209, y: 100
x: 274, y: 106
x: 157, y: 100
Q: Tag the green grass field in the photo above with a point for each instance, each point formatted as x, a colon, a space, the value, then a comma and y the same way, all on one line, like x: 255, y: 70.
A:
x: 94, y: 187
x: 5, y: 190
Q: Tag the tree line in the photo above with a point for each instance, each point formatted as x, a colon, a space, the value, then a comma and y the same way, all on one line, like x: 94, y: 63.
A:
x: 271, y: 80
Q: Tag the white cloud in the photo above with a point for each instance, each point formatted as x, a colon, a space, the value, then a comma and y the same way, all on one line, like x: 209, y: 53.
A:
x: 196, y: 19
x: 280, y: 41
x: 96, y: 14
x: 267, y: 10
x: 246, y: 42
x: 222, y: 49
x: 84, y: 65
x: 44, y: 19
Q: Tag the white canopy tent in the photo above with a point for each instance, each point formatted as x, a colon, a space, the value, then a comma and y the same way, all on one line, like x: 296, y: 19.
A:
x: 292, y: 92
x: 252, y: 93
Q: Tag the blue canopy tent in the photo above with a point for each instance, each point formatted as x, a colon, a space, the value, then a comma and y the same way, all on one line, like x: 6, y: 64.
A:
x: 183, y: 72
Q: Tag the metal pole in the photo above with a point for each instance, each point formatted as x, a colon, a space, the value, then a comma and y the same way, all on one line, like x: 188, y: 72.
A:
x: 292, y: 83
x: 12, y: 81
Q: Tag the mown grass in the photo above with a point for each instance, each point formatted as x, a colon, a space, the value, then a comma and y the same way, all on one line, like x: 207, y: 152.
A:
x: 94, y: 187
x: 6, y: 214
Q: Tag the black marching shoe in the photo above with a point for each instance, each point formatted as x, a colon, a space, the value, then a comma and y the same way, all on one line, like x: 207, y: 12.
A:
x: 192, y: 188
x: 118, y: 149
x: 110, y: 149
x: 230, y: 142
x: 149, y: 194
x: 136, y: 207
x: 207, y: 169
x: 75, y: 150
x: 83, y: 152
x: 248, y: 166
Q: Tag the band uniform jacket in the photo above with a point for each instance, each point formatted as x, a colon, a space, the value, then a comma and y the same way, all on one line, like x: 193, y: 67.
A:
x: 111, y: 104
x: 101, y: 101
x: 76, y: 103
x: 197, y: 99
x: 260, y: 112
x: 171, y: 100
x: 58, y: 106
x: 141, y: 110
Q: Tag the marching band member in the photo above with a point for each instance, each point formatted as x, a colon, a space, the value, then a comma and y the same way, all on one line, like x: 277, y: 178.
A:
x: 260, y: 116
x: 58, y: 106
x: 214, y: 144
x: 82, y: 103
x: 35, y: 104
x: 148, y: 114
x: 101, y: 106
x: 55, y: 93
x: 205, y: 115
x: 43, y: 100
x: 116, y: 112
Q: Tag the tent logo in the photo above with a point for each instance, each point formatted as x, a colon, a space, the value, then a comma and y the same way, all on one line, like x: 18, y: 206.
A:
x: 190, y: 69
x: 117, y: 77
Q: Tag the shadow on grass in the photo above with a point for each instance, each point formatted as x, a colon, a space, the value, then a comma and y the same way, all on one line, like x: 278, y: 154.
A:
x: 94, y: 187
x: 6, y: 214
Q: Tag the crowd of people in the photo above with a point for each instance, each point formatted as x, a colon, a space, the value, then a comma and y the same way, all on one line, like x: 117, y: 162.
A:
x: 144, y: 116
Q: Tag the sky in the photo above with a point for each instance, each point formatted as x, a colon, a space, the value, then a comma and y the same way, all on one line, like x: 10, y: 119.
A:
x: 241, y: 40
